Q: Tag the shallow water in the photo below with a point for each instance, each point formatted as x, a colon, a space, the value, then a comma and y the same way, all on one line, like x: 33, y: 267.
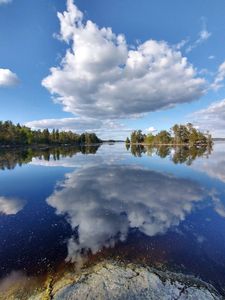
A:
x: 160, y: 207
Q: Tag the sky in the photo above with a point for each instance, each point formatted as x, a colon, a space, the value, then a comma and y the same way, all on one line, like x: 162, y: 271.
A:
x: 113, y: 66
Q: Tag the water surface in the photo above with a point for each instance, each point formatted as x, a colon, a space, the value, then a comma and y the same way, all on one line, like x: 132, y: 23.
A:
x: 74, y: 206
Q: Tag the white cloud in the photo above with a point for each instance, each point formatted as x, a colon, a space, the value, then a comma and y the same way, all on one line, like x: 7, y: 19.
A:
x: 181, y: 44
x: 203, y: 36
x: 8, y: 78
x: 5, y: 1
x: 211, y: 57
x: 105, y: 129
x: 10, y: 206
x: 151, y: 129
x: 211, y: 118
x: 220, y: 76
x: 77, y: 124
x: 100, y: 77
x: 98, y: 203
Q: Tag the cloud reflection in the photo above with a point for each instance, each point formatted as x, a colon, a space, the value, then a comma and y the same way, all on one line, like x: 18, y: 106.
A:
x: 215, y: 166
x: 104, y: 202
x: 10, y: 206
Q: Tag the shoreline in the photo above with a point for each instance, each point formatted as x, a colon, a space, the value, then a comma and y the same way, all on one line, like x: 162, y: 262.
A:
x: 172, y: 145
x: 40, y: 146
x: 115, y: 280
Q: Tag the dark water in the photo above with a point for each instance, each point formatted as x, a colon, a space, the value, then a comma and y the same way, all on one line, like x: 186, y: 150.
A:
x: 162, y: 207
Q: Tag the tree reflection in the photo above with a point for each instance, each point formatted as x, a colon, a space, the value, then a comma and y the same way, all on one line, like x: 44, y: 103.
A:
x: 10, y: 158
x: 179, y: 155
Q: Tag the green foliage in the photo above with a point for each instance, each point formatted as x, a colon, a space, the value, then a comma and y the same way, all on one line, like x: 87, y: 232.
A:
x: 12, y: 135
x: 179, y: 135
x: 127, y: 140
x: 137, y: 137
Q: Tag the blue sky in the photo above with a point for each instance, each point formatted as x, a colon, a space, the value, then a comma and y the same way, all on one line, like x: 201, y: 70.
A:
x: 108, y: 83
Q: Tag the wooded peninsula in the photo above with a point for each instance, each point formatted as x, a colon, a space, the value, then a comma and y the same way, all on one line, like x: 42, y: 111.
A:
x: 19, y: 135
x: 178, y: 135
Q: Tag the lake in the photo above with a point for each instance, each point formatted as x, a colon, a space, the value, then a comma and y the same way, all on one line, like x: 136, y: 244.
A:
x: 72, y: 206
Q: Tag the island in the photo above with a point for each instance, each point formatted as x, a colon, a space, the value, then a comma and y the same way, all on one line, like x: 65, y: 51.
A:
x: 178, y: 135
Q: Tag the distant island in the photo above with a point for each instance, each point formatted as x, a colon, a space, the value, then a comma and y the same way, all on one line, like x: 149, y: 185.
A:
x: 178, y: 135
x: 19, y: 135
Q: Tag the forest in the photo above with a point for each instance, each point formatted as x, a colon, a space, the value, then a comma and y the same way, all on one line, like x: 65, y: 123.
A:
x: 12, y: 135
x: 177, y: 135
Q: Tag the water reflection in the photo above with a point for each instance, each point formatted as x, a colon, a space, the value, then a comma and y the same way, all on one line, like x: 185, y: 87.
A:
x: 178, y: 155
x: 104, y: 202
x: 215, y: 166
x: 113, y: 205
x: 10, y: 158
x: 10, y: 206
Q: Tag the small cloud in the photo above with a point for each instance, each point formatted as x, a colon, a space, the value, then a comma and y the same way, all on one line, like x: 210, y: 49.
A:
x: 8, y: 78
x: 220, y: 76
x: 5, y: 1
x: 181, y: 44
x: 204, y: 35
x: 211, y: 57
x: 151, y: 129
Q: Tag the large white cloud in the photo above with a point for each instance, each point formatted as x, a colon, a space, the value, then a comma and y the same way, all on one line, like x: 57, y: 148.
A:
x: 211, y: 118
x: 103, y: 202
x: 99, y: 76
x: 8, y: 78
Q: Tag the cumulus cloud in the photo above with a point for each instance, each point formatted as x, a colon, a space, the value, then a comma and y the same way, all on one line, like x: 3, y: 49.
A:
x: 10, y: 206
x: 8, y: 78
x: 101, y: 77
x: 103, y: 207
x: 220, y: 76
x: 211, y: 118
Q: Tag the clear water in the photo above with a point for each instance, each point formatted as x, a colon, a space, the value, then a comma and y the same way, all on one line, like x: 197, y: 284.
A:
x: 80, y: 206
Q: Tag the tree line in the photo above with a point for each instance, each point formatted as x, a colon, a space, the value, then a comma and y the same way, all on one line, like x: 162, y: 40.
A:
x: 11, y: 134
x: 178, y: 135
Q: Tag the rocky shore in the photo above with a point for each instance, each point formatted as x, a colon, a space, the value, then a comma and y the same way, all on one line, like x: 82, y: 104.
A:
x: 110, y: 280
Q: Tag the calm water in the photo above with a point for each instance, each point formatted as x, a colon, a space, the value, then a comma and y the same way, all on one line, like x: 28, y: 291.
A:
x: 164, y: 208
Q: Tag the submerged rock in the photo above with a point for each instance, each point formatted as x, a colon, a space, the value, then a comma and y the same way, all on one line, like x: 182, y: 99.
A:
x: 114, y: 281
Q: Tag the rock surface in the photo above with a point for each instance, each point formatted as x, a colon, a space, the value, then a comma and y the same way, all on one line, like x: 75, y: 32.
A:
x: 113, y: 281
